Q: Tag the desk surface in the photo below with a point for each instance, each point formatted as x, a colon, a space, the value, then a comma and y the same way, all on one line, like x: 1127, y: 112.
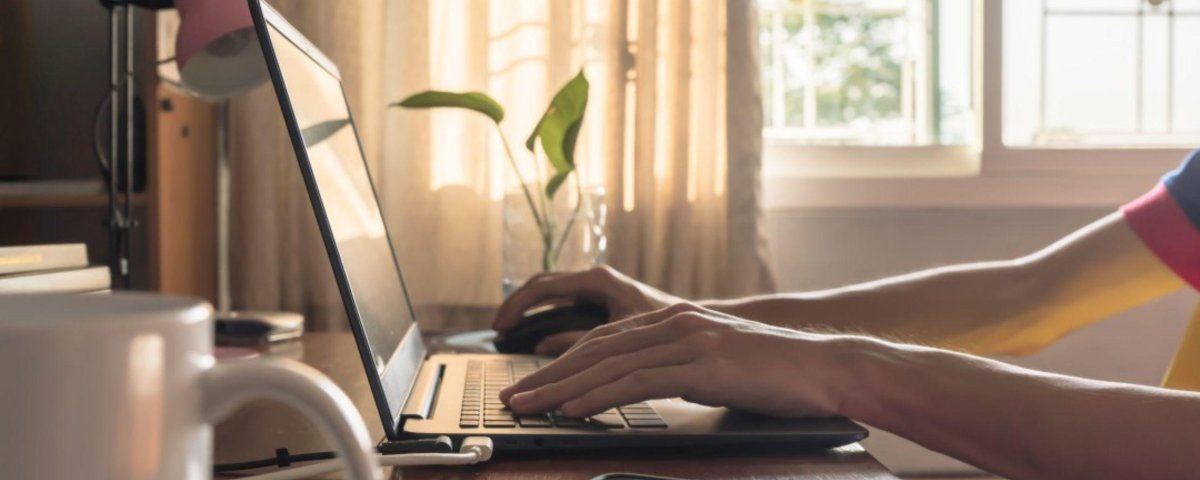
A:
x: 256, y: 430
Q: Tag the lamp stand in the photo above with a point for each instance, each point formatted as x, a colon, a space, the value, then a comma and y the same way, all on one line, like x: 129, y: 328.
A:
x: 240, y: 327
x: 121, y: 221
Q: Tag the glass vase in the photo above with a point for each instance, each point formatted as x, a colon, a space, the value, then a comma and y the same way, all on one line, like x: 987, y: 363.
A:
x: 573, y: 237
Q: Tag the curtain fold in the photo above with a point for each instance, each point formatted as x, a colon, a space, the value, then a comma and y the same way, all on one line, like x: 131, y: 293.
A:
x: 673, y: 133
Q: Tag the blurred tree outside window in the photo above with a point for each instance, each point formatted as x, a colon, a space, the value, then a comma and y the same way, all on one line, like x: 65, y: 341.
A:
x: 866, y: 72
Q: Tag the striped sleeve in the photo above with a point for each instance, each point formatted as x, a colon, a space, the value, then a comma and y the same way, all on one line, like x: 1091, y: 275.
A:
x: 1167, y: 219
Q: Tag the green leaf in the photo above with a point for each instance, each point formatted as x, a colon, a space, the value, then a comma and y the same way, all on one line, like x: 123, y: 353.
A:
x: 555, y: 182
x: 475, y: 101
x: 559, y: 129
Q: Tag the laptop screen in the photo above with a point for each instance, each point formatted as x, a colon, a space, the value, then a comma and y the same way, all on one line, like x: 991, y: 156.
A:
x: 346, y: 207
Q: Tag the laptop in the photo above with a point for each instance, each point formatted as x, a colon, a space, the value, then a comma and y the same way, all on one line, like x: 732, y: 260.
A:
x: 419, y: 394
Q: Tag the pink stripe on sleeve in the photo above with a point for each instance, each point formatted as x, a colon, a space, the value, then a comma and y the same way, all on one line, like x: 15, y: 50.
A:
x: 1158, y: 219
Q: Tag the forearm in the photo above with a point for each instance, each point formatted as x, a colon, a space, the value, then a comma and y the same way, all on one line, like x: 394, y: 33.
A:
x: 916, y: 306
x: 1011, y: 306
x: 1016, y: 422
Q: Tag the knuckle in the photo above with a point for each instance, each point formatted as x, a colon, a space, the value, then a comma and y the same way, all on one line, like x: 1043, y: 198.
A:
x: 681, y: 307
x: 603, y: 272
x: 596, y: 334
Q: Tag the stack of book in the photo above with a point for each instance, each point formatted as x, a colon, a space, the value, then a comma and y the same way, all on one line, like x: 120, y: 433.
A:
x: 61, y: 268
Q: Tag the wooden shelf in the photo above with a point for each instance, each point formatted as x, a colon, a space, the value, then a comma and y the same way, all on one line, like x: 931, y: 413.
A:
x: 64, y: 201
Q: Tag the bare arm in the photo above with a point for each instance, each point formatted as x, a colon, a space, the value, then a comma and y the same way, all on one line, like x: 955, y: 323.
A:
x: 1012, y: 306
x: 1020, y: 423
x: 1014, y: 422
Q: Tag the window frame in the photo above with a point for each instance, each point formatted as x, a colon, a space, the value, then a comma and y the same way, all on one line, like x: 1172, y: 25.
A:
x: 988, y: 173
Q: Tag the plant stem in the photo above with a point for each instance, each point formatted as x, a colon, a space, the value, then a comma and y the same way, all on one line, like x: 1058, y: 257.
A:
x: 547, y: 260
x: 562, y: 241
x: 548, y: 214
x: 512, y: 161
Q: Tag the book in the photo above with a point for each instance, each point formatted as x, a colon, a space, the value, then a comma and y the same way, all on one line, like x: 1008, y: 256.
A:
x: 33, y: 258
x: 61, y: 187
x: 72, y: 280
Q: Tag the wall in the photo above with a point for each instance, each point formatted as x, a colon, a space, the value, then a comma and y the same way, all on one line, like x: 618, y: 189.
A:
x: 58, y: 53
x: 824, y: 248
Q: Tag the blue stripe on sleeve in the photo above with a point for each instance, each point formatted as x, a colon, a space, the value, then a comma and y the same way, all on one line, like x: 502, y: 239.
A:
x: 1184, y: 185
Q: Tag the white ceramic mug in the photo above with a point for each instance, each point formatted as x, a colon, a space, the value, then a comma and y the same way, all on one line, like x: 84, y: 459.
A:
x: 125, y: 386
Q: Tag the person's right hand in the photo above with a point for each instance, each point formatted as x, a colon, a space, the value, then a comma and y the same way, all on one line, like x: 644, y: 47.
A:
x: 621, y: 295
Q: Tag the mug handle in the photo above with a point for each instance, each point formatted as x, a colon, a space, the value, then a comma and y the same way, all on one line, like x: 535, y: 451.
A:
x: 228, y: 385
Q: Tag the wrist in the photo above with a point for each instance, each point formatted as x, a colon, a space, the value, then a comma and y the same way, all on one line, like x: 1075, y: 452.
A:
x: 853, y: 367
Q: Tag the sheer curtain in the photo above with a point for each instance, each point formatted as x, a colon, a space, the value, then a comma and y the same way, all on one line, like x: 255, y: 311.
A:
x: 673, y: 134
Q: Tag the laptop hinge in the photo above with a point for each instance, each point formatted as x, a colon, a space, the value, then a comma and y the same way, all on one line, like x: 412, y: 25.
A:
x: 424, y: 393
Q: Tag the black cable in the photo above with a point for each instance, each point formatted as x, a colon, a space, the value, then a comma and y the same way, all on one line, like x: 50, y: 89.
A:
x: 283, y: 458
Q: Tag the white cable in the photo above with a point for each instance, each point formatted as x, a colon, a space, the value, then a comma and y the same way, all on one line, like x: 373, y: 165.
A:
x: 474, y: 450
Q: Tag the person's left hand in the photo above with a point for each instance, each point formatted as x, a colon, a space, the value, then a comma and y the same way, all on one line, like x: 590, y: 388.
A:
x: 686, y: 351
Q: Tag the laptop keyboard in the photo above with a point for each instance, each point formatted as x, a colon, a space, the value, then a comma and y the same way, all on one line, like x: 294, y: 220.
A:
x: 481, y: 406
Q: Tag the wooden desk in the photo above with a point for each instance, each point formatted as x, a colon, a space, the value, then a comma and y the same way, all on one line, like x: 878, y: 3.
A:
x: 256, y: 430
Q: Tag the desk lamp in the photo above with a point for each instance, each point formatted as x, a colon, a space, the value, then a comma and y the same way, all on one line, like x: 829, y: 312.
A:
x: 217, y: 49
x: 219, y: 57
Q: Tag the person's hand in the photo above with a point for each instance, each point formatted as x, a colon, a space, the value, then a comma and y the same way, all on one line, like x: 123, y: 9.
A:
x: 621, y: 295
x: 686, y: 351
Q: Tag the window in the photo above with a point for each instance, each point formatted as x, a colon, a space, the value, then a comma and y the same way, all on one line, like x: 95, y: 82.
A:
x: 867, y: 72
x: 1101, y: 72
x: 962, y: 88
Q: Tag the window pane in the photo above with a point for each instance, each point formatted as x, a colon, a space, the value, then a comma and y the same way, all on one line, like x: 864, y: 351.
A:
x: 1186, y: 111
x: 1100, y: 73
x: 867, y: 72
x: 1089, y: 58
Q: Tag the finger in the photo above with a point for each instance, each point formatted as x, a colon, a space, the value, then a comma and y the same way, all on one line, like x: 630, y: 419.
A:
x: 578, y: 359
x: 645, y: 319
x: 652, y: 383
x: 518, y: 296
x: 589, y: 285
x: 551, y: 396
x: 556, y: 344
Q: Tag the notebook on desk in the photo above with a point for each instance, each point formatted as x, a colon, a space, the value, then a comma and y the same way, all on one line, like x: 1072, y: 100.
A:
x: 423, y: 395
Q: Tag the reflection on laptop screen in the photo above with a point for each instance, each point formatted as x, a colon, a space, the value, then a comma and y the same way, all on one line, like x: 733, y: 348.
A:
x: 348, y: 197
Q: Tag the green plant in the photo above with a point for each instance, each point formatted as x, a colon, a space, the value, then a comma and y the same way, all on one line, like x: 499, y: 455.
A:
x: 558, y: 131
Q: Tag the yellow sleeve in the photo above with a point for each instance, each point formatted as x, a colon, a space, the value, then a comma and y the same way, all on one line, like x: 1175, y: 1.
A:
x: 1184, y: 372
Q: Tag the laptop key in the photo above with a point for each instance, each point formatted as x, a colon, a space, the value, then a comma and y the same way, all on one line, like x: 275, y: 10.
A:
x: 642, y: 416
x: 563, y: 422
x: 499, y: 423
x: 647, y: 423
x: 606, y: 421
x: 534, y: 421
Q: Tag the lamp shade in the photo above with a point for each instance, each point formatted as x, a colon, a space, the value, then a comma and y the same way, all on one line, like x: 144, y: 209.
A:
x: 216, y: 49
